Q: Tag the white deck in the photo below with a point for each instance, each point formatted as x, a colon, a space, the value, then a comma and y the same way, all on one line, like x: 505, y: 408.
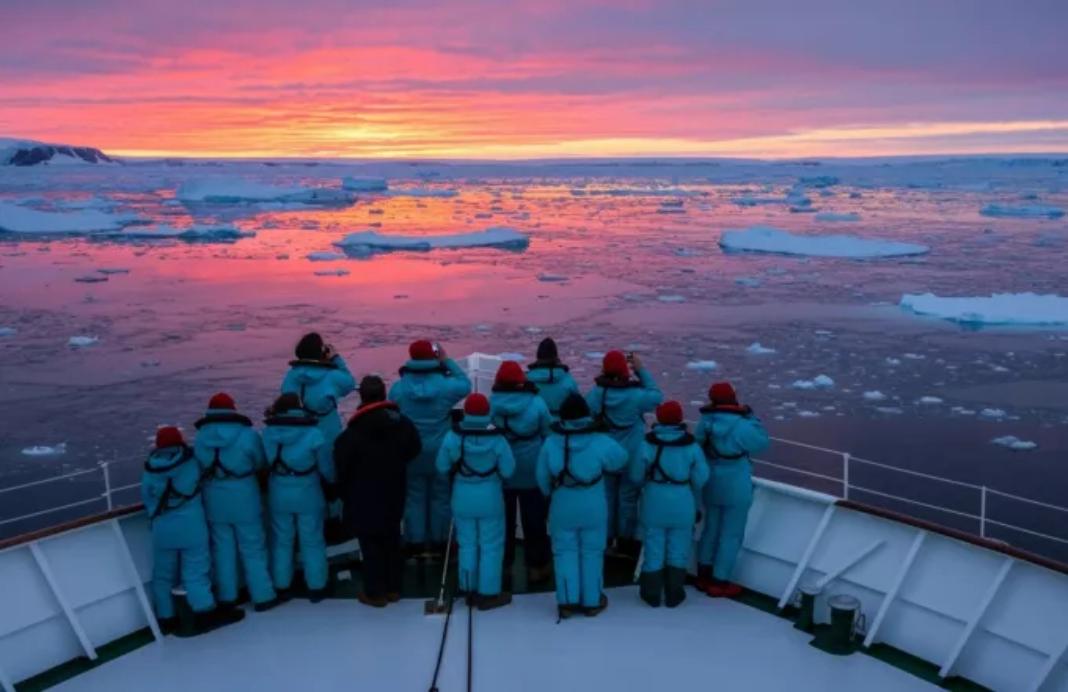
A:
x: 341, y: 645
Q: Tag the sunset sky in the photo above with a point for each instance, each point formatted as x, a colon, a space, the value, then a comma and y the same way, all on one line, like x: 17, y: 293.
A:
x: 540, y: 78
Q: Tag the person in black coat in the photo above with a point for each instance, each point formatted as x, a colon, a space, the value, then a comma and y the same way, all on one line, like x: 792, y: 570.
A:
x: 372, y: 456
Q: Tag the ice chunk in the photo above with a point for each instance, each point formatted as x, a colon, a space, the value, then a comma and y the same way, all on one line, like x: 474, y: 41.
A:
x: 772, y: 240
x: 45, y: 450
x: 837, y: 216
x: 332, y: 272
x: 671, y: 298
x: 196, y: 233
x: 892, y: 410
x: 998, y: 308
x: 818, y: 181
x: 8, y: 331
x: 423, y: 192
x: 993, y: 413
x: 82, y: 341
x: 91, y: 279
x: 369, y: 242
x: 874, y: 395
x: 756, y: 349
x: 326, y: 256
x: 751, y: 201
x: 748, y: 281
x: 1023, y: 211
x: 361, y: 184
x: 17, y: 219
x: 929, y: 400
x: 1014, y: 443
x: 704, y: 365
x: 804, y: 413
x: 234, y: 190
x: 818, y: 382
x: 551, y: 278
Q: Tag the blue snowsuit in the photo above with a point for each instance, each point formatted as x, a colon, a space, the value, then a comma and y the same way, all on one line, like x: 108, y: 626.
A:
x: 572, y: 466
x: 671, y: 471
x: 728, y: 435
x: 619, y: 406
x: 170, y: 489
x: 476, y: 458
x: 426, y: 393
x: 230, y: 454
x: 554, y: 383
x: 321, y: 385
x: 300, y: 461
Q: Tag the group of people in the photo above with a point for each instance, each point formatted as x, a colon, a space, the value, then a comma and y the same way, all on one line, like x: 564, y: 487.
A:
x: 581, y: 473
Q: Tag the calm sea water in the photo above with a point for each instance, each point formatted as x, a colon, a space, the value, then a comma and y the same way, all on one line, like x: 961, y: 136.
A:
x: 609, y: 265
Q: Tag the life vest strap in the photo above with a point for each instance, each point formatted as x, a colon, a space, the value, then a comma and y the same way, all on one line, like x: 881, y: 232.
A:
x: 656, y: 473
x: 220, y: 471
x: 461, y: 468
x: 566, y: 479
x: 279, y: 467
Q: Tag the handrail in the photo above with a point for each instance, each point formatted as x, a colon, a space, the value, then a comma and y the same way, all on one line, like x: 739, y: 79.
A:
x: 46, y: 480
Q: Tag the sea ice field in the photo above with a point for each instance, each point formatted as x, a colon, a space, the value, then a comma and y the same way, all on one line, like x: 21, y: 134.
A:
x: 910, y: 311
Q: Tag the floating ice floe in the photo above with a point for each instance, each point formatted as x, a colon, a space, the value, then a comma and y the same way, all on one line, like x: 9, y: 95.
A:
x: 773, y: 240
x: 1022, y: 211
x: 818, y: 181
x: 332, y: 272
x: 551, y: 278
x: 1014, y: 443
x: 929, y: 400
x: 18, y: 219
x: 325, y: 256
x: 45, y: 450
x: 671, y: 298
x: 361, y: 184
x: 804, y: 413
x: 993, y: 413
x: 832, y: 216
x: 196, y: 233
x: 704, y: 365
x: 8, y: 331
x: 748, y: 281
x: 369, y: 242
x: 233, y: 190
x: 892, y: 410
x: 752, y: 201
x: 82, y: 341
x: 757, y: 349
x: 999, y: 308
x: 91, y: 279
x: 874, y: 395
x: 423, y: 192
x: 113, y: 270
x: 818, y: 382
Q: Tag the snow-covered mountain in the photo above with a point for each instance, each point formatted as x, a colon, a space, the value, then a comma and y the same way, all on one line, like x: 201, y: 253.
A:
x: 27, y: 152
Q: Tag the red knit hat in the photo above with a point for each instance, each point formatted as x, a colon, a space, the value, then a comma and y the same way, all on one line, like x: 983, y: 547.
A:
x: 421, y: 350
x: 510, y: 373
x: 169, y: 436
x: 615, y: 364
x: 477, y: 405
x: 669, y: 413
x: 222, y: 400
x: 723, y: 393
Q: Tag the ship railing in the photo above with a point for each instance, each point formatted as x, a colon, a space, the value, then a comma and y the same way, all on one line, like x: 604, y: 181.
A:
x: 843, y: 484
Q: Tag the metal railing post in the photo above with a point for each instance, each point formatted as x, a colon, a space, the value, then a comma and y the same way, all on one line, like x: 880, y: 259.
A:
x: 845, y: 475
x: 107, y: 483
x: 982, y: 512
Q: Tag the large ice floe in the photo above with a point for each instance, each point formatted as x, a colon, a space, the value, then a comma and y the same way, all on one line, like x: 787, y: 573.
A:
x: 27, y: 152
x: 834, y: 216
x: 369, y: 242
x: 191, y: 234
x: 775, y: 241
x: 1022, y: 211
x: 241, y: 191
x: 362, y: 184
x: 998, y: 308
x: 19, y: 219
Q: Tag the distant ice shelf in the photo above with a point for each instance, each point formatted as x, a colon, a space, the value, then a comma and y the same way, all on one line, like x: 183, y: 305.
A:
x: 999, y: 308
x: 370, y: 242
x: 766, y: 239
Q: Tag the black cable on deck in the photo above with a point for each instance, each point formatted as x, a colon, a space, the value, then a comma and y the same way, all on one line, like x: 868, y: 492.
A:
x: 441, y: 647
x: 470, y: 637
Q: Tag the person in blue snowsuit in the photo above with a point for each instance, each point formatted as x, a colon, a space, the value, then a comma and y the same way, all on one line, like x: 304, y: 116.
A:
x: 476, y: 457
x: 230, y: 454
x: 300, y: 463
x: 618, y: 403
x: 551, y: 376
x: 320, y: 377
x: 170, y: 489
x: 572, y: 466
x: 729, y: 433
x: 671, y: 471
x: 524, y: 419
x: 430, y: 385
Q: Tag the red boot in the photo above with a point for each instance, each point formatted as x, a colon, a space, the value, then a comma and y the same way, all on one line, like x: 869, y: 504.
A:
x: 723, y: 589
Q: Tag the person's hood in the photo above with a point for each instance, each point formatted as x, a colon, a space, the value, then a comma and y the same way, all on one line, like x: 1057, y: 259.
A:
x: 511, y: 403
x: 309, y: 372
x: 220, y: 428
x: 288, y: 427
x: 669, y: 433
x: 167, y: 459
x: 581, y: 432
x: 543, y: 371
x: 422, y: 377
x: 721, y: 421
x: 474, y: 423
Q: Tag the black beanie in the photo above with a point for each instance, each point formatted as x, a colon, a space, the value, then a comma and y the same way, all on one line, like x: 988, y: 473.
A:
x: 310, y: 347
x: 372, y: 389
x: 547, y: 350
x: 574, y: 407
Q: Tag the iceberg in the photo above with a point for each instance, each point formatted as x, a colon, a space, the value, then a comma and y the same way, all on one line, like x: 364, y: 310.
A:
x: 1022, y: 211
x: 874, y: 395
x: 363, y: 243
x: 18, y: 219
x: 702, y: 365
x: 772, y: 240
x: 999, y: 308
x: 757, y: 349
x: 190, y: 234
x: 241, y: 191
x: 27, y: 152
x: 82, y: 341
x: 1014, y: 443
x: 45, y: 450
x: 360, y: 184
x: 831, y: 216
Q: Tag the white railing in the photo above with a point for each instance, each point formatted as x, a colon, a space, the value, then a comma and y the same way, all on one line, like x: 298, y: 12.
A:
x: 107, y: 497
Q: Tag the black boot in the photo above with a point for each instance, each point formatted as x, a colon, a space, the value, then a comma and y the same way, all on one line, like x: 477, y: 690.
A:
x: 650, y: 586
x: 168, y: 625
x: 495, y: 601
x: 214, y: 619
x: 674, y: 586
x: 264, y: 606
x: 565, y: 611
x: 597, y: 609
